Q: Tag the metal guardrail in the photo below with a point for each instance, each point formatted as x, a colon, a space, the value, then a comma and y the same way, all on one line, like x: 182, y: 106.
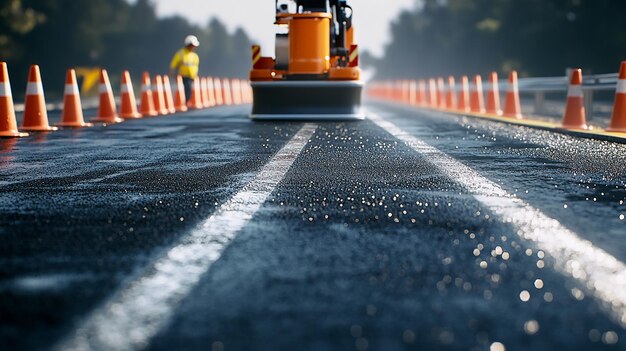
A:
x: 540, y: 86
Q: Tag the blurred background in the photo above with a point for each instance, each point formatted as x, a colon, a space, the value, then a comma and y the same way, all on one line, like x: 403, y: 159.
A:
x: 398, y: 38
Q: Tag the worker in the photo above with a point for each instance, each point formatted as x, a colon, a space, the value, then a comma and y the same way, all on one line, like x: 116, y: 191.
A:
x: 186, y: 63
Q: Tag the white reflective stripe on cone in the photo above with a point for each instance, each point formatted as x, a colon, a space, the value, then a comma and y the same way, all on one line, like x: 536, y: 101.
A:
x: 5, y: 89
x: 71, y: 89
x: 146, y: 88
x: 621, y: 86
x: 124, y: 89
x: 34, y: 88
x: 575, y: 91
x: 105, y: 88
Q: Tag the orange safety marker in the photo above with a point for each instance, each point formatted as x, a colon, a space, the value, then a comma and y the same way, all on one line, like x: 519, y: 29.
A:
x: 512, y: 105
x: 228, y: 97
x: 147, y: 101
x: 574, y: 117
x: 210, y: 82
x: 219, y: 92
x: 441, y: 94
x: 107, y: 113
x: 72, y: 116
x: 128, y: 105
x: 423, y: 96
x: 244, y: 92
x: 196, y: 96
x: 463, y: 103
x: 158, y: 95
x: 8, y: 121
x: 477, y: 98
x: 451, y: 94
x: 204, y: 90
x: 35, y: 113
x: 493, y: 96
x: 432, y: 94
x: 406, y: 94
x: 169, y: 98
x: 180, y: 100
x: 412, y: 93
x: 618, y: 118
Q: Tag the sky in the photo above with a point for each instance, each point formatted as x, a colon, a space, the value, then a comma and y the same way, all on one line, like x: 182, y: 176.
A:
x: 372, y: 18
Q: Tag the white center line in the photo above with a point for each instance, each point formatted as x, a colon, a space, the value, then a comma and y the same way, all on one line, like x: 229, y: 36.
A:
x: 601, y: 274
x: 140, y: 309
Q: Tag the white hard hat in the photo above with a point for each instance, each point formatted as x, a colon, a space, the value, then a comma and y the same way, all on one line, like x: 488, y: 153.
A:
x: 192, y: 40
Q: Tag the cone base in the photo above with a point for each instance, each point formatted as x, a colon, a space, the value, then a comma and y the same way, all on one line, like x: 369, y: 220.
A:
x: 75, y: 125
x: 616, y: 130
x: 107, y: 120
x: 40, y: 129
x: 131, y: 116
x: 513, y: 116
x: 182, y: 109
x: 495, y: 113
x: 13, y: 135
x: 575, y: 127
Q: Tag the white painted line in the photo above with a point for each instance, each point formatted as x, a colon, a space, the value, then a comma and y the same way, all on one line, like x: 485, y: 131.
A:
x: 601, y: 274
x: 141, y: 308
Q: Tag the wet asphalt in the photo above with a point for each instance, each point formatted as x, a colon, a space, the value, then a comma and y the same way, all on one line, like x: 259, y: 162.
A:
x: 364, y: 245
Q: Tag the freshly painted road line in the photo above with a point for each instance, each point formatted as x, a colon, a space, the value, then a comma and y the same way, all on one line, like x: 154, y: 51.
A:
x: 145, y: 305
x: 601, y: 274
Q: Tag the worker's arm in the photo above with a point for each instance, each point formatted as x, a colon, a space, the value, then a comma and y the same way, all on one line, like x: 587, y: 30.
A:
x: 174, y: 66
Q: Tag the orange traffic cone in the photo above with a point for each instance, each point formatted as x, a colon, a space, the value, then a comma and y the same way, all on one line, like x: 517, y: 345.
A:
x: 147, y: 100
x: 423, y: 96
x: 72, y: 116
x: 211, y: 90
x: 169, y: 97
x: 180, y: 100
x: 128, y: 106
x: 244, y: 92
x: 618, y: 119
x: 35, y: 113
x: 512, y: 105
x: 107, y: 113
x: 451, y: 94
x: 204, y: 91
x: 158, y: 95
x: 196, y: 96
x: 8, y: 121
x: 464, y: 96
x: 574, y: 117
x: 228, y: 97
x: 432, y: 94
x: 219, y: 92
x: 477, y: 98
x: 441, y: 94
x: 493, y: 97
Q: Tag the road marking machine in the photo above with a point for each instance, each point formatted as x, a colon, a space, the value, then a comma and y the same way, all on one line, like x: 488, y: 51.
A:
x: 315, y: 74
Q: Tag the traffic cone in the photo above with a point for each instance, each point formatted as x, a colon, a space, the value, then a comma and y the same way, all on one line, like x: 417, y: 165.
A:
x: 493, y: 97
x: 423, y: 95
x: 574, y: 117
x: 180, y: 100
x: 72, y: 116
x: 244, y: 92
x: 8, y: 121
x: 412, y: 93
x: 219, y: 92
x: 204, y: 94
x: 128, y: 106
x: 441, y: 94
x: 228, y: 97
x: 107, y: 113
x: 512, y: 105
x: 35, y: 113
x: 432, y: 94
x: 451, y: 94
x: 158, y: 95
x: 196, y: 96
x: 169, y: 97
x: 464, y: 96
x: 147, y: 100
x: 477, y: 98
x: 211, y: 91
x: 618, y: 118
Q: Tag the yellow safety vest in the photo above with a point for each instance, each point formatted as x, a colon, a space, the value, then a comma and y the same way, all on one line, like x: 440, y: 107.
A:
x: 186, y: 62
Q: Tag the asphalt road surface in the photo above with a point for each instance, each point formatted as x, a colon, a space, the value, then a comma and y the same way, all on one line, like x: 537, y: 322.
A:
x: 412, y: 230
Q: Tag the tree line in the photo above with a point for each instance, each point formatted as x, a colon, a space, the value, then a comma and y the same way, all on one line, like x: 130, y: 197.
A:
x: 535, y: 37
x: 114, y: 34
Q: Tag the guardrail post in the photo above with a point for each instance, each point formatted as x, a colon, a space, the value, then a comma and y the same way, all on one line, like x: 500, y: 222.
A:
x: 540, y: 100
